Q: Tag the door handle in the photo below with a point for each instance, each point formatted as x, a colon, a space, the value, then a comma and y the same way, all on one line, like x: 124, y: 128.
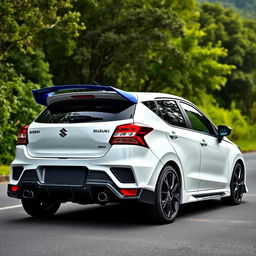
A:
x: 203, y: 143
x: 173, y: 135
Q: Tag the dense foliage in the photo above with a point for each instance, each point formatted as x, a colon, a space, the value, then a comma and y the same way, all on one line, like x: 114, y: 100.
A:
x: 246, y: 7
x: 205, y: 54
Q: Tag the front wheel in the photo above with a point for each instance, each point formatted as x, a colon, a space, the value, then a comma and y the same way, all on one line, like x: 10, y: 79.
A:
x: 167, y: 201
x: 236, y: 186
x: 40, y: 208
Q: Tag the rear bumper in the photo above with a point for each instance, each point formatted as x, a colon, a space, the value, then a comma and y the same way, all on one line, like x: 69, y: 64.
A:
x: 141, y: 161
x: 85, y: 193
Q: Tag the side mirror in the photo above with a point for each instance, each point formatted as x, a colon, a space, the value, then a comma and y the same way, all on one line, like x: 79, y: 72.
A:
x: 223, y: 130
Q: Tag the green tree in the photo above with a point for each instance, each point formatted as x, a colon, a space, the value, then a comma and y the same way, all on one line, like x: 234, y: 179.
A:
x: 237, y: 35
x: 246, y: 8
x: 139, y: 45
x: 119, y: 33
x: 22, y: 63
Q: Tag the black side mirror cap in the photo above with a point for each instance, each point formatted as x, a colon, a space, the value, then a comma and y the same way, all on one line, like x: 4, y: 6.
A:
x: 223, y: 130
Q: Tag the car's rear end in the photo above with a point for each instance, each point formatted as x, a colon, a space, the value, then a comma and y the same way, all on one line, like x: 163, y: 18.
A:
x: 84, y: 147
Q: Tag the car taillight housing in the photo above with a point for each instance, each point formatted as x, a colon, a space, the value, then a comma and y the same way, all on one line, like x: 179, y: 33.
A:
x: 130, y: 134
x: 23, y: 136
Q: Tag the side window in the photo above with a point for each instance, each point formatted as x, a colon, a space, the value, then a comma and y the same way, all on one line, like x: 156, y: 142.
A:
x: 151, y: 105
x: 197, y: 120
x: 171, y: 113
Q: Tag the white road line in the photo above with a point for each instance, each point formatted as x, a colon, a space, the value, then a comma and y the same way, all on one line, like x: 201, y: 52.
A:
x: 10, y: 207
x: 221, y: 221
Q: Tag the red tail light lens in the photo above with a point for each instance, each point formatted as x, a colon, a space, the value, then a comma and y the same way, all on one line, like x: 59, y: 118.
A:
x: 129, y: 192
x: 130, y: 134
x: 23, y: 136
x: 14, y: 188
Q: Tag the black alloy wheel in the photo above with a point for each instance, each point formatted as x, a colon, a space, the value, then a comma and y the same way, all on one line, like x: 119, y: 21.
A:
x: 236, y: 186
x: 167, y: 195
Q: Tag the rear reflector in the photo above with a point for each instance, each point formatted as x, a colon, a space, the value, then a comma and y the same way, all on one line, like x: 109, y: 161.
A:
x: 130, y: 134
x: 14, y: 188
x: 23, y: 136
x: 129, y: 192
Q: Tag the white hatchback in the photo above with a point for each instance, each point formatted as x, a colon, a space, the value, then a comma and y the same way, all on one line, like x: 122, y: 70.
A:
x: 99, y: 144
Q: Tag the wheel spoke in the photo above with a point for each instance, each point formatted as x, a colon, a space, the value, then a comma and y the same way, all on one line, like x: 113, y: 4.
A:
x: 173, y: 181
x: 166, y: 182
x: 168, y: 208
x: 175, y: 188
x: 241, y: 183
x: 174, y: 206
x: 239, y: 173
x: 164, y: 202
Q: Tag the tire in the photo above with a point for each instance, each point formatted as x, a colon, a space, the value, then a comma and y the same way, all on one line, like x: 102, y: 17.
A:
x: 40, y: 208
x: 167, y: 197
x: 236, y: 186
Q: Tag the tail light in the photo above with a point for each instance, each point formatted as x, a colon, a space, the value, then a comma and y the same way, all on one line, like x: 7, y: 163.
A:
x: 23, y: 136
x: 130, y: 134
x: 14, y: 188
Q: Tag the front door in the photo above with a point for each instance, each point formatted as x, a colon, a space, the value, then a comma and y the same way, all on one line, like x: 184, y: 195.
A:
x: 214, y: 159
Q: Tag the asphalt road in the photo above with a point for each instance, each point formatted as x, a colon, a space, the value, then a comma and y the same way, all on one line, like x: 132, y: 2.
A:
x: 205, y: 228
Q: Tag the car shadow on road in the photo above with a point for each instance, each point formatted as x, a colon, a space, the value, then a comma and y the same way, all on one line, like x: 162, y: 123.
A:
x: 121, y: 216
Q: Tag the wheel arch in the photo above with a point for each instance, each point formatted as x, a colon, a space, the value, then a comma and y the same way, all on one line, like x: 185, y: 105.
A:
x: 167, y: 159
x: 238, y: 159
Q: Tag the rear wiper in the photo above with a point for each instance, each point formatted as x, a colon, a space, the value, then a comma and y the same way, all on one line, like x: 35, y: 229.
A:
x: 77, y: 119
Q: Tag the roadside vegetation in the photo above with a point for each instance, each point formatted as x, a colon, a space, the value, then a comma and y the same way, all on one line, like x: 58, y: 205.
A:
x: 4, y: 169
x: 201, y: 51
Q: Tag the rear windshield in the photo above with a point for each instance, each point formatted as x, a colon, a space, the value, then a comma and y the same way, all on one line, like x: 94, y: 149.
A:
x: 89, y: 110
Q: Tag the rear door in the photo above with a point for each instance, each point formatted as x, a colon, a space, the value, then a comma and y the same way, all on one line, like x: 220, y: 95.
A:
x: 78, y: 125
x: 183, y: 140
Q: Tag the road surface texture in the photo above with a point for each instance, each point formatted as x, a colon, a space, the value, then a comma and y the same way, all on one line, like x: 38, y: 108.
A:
x: 205, y: 228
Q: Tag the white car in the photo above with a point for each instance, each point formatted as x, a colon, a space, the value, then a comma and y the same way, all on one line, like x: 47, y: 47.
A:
x: 99, y: 144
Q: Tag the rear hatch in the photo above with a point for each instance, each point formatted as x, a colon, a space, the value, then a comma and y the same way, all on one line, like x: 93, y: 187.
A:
x: 78, y: 125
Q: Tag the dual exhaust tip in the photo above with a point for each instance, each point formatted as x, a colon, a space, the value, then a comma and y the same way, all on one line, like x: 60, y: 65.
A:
x: 102, y: 196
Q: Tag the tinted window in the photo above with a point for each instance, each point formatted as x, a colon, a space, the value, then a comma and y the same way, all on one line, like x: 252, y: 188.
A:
x: 151, y: 105
x: 89, y: 110
x: 197, y: 120
x: 171, y: 113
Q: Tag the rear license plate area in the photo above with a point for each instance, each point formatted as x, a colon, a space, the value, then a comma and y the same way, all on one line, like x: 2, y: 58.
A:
x: 62, y: 175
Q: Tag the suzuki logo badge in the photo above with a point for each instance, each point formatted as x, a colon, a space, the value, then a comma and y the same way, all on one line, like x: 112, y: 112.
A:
x: 63, y: 132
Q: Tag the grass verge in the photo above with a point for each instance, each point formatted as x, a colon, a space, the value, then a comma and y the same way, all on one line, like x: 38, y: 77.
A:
x: 246, y: 145
x: 4, y: 169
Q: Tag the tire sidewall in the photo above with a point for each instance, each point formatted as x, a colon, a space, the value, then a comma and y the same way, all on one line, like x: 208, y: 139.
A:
x: 158, y: 207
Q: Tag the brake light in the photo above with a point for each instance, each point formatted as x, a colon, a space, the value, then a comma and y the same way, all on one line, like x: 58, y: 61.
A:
x: 130, y: 134
x: 83, y: 96
x: 23, y: 136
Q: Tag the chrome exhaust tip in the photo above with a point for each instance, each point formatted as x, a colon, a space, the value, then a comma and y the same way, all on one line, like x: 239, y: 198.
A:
x: 102, y: 197
x: 28, y: 194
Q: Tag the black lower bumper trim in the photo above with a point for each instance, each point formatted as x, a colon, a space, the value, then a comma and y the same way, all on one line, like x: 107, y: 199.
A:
x: 85, y: 194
